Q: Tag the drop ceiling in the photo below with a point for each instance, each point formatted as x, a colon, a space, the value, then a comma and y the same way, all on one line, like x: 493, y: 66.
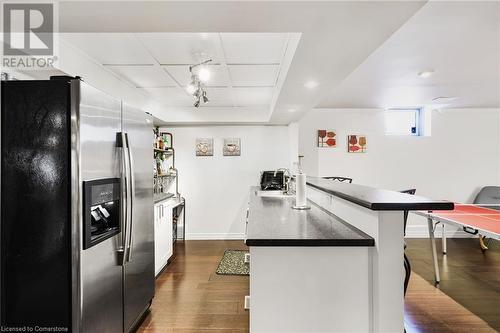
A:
x: 245, y: 67
x: 263, y: 52
x: 361, y: 54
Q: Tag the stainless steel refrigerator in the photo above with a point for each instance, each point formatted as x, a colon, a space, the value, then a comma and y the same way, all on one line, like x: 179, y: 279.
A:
x: 77, y: 243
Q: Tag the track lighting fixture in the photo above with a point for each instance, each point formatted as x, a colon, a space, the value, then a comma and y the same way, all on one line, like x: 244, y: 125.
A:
x: 199, y: 75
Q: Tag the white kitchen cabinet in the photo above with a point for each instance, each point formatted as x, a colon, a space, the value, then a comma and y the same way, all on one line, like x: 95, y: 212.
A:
x: 167, y: 223
x: 163, y: 234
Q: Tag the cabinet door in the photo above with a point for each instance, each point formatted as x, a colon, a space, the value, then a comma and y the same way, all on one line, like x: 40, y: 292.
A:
x: 162, y: 237
x: 169, y: 232
x: 157, y: 231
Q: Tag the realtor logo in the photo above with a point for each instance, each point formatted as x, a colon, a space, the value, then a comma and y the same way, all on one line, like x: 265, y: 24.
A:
x: 28, y: 29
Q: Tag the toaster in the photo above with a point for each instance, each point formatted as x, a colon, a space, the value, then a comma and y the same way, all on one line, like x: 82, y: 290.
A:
x: 269, y: 181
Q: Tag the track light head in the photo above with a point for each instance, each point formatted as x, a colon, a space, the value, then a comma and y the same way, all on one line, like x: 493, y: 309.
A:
x: 199, y: 75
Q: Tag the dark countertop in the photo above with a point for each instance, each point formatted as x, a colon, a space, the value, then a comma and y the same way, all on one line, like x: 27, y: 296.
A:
x: 157, y: 197
x: 376, y: 199
x: 175, y: 201
x: 273, y: 222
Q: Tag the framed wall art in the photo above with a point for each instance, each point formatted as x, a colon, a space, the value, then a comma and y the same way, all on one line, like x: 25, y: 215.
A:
x: 231, y: 147
x: 356, y: 143
x: 204, y: 147
x: 327, y: 138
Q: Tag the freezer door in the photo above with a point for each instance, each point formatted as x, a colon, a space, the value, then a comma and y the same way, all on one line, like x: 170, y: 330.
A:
x: 35, y: 287
x: 100, y: 269
x: 138, y: 275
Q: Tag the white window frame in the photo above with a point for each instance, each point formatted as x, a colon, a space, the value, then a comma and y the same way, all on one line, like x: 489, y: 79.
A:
x: 419, y: 120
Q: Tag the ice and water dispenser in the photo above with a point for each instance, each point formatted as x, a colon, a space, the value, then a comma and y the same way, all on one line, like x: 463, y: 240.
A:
x: 101, y: 210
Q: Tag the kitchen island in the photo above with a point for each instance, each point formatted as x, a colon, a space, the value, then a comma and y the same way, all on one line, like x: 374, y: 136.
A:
x: 337, y: 267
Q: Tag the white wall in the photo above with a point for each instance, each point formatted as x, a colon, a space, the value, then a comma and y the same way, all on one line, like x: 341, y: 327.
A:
x: 216, y: 188
x: 460, y: 156
x: 293, y: 143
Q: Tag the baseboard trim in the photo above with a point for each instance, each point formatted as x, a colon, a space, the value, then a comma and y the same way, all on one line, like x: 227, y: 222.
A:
x: 421, y: 231
x: 215, y: 236
x: 412, y: 231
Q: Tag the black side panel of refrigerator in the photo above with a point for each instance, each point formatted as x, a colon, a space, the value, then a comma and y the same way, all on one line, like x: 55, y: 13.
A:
x: 35, y: 204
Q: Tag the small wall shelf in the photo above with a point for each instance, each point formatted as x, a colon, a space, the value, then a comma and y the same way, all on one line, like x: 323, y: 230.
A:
x: 164, y: 151
x: 166, y: 175
x: 164, y: 155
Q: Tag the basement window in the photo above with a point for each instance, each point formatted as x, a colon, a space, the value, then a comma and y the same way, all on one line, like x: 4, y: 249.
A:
x: 404, y: 121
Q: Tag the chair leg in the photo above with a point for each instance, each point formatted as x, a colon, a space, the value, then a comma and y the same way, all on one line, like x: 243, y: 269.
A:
x: 407, y: 277
x: 407, y: 273
x: 482, y: 243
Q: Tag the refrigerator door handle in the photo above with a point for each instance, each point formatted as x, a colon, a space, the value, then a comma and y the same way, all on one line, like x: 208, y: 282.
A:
x: 132, y: 198
x: 122, y: 249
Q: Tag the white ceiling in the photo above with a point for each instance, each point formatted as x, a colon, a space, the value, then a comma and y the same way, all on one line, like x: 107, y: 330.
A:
x: 460, y: 41
x: 263, y: 52
x: 362, y: 55
x: 244, y: 70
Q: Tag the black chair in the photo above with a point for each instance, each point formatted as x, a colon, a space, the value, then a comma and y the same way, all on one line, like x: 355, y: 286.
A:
x: 340, y: 179
x: 406, y: 260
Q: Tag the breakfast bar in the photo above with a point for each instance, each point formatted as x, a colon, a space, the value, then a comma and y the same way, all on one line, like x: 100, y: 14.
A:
x: 337, y: 267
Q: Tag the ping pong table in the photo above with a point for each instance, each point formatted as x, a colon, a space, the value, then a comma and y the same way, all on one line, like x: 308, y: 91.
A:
x: 482, y: 220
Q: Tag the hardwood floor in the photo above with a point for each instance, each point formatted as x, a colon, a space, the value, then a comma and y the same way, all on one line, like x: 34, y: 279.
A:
x: 427, y: 309
x: 468, y: 276
x: 191, y: 298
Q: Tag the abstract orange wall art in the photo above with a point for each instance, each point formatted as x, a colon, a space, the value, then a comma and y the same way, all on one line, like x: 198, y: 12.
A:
x: 356, y: 143
x: 326, y: 138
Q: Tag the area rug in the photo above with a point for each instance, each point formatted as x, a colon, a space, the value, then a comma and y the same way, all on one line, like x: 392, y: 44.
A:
x: 233, y: 263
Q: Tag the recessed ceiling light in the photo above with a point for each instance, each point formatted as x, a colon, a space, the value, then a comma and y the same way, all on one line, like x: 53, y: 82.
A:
x: 311, y: 84
x: 292, y: 110
x: 425, y: 74
x: 444, y: 98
